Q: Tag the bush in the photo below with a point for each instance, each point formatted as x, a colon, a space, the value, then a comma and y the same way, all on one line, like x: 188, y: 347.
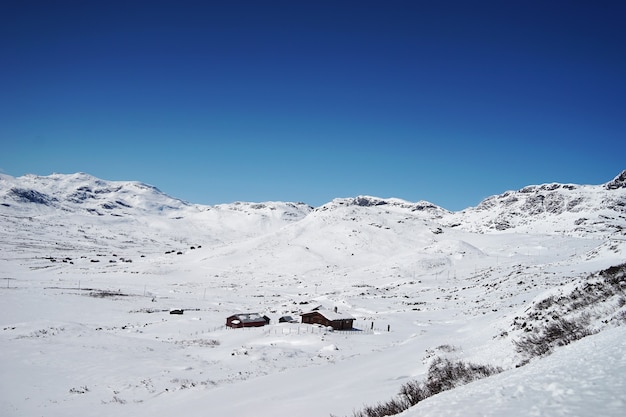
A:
x: 615, y: 275
x: 558, y: 321
x: 443, y: 375
x: 560, y: 332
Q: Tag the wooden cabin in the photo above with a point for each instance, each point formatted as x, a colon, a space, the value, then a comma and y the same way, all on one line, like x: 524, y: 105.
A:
x: 247, y: 320
x: 321, y: 316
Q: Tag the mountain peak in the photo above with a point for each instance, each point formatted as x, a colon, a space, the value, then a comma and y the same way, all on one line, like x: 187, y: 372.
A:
x: 617, y: 182
x: 368, y: 201
x: 365, y: 201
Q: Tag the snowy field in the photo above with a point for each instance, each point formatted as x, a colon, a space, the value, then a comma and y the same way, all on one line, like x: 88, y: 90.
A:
x: 88, y: 284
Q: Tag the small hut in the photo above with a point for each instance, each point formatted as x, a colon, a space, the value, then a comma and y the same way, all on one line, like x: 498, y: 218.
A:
x: 287, y: 319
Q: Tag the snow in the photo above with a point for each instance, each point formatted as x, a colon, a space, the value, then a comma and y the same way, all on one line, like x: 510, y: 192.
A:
x: 90, y: 270
x: 581, y: 379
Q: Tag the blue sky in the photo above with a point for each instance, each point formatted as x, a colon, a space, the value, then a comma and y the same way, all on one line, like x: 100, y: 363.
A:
x: 216, y: 102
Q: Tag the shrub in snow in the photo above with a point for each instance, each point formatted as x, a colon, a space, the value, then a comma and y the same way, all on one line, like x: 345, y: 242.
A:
x: 560, y: 320
x: 81, y: 390
x: 560, y: 332
x: 443, y: 375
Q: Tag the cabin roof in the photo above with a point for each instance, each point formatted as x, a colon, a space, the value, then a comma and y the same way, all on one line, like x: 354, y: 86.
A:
x: 248, y: 317
x: 330, y: 314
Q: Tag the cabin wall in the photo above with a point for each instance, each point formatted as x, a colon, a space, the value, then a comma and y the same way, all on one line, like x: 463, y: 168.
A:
x: 315, y: 318
x: 318, y: 318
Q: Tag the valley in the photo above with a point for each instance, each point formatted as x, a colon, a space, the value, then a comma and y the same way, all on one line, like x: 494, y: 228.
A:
x: 90, y: 271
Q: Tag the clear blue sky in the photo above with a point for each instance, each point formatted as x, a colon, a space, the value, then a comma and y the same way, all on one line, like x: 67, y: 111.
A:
x: 222, y: 101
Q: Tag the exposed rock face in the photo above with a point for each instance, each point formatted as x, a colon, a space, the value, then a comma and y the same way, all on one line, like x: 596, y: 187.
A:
x: 29, y: 196
x: 618, y: 182
x: 560, y: 208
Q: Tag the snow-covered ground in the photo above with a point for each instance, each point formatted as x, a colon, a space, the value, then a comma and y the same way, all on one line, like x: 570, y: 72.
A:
x: 90, y: 270
x: 581, y: 379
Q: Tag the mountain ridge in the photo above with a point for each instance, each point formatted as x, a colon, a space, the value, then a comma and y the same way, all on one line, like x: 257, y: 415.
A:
x: 617, y: 182
x: 549, y: 208
x: 554, y: 207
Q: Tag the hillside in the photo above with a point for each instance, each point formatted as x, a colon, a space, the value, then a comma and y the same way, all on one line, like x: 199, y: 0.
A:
x: 92, y: 268
x: 551, y: 208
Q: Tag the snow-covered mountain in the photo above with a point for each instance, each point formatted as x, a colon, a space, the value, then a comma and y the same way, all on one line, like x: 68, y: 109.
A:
x: 547, y: 208
x: 92, y: 268
x: 83, y: 193
x: 84, y: 210
x: 551, y: 208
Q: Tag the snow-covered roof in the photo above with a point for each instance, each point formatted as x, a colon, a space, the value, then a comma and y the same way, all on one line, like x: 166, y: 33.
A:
x: 330, y: 314
x: 248, y: 317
